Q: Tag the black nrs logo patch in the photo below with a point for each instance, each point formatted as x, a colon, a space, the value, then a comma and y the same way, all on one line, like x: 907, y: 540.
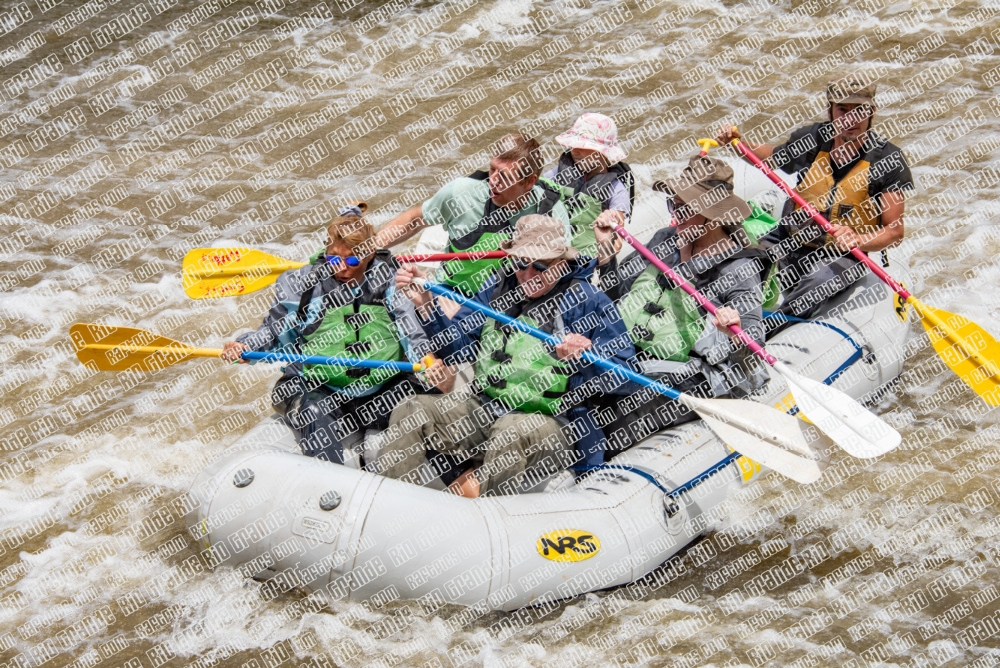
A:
x: 568, y: 545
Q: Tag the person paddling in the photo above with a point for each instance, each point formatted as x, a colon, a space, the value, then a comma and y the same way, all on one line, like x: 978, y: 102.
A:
x: 479, y: 212
x: 852, y: 176
x: 512, y: 429
x: 342, y: 304
x: 678, y: 341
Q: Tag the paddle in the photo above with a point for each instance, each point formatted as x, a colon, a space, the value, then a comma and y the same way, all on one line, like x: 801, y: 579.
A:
x: 749, y: 428
x: 967, y: 349
x: 108, y: 348
x: 837, y: 415
x: 210, y: 273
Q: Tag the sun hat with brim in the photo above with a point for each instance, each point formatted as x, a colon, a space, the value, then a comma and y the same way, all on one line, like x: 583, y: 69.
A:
x: 595, y: 132
x: 538, y: 237
x: 706, y: 187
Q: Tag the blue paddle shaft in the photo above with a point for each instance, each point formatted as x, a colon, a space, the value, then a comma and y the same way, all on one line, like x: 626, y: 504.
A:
x: 548, y: 338
x: 327, y: 361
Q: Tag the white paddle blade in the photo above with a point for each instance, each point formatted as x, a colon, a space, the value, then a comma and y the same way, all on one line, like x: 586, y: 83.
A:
x: 854, y: 428
x: 771, y: 438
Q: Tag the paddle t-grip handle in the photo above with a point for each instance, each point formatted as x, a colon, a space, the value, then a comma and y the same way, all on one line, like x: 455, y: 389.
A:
x: 698, y: 297
x: 548, y: 338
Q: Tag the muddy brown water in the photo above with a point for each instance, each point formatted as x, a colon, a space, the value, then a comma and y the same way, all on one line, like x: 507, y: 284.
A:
x: 135, y: 131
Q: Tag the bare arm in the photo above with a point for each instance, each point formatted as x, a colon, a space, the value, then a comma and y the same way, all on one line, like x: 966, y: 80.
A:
x: 608, y: 241
x: 727, y: 135
x: 401, y: 228
x: 891, y: 233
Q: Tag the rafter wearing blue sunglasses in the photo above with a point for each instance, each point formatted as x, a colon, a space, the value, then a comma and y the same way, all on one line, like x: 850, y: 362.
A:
x: 336, y: 260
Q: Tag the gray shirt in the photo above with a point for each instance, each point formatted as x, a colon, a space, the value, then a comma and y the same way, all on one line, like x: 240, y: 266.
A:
x: 725, y: 281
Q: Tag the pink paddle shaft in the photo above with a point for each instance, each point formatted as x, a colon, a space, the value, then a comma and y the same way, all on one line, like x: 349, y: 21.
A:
x: 688, y: 288
x: 442, y: 257
x: 818, y: 217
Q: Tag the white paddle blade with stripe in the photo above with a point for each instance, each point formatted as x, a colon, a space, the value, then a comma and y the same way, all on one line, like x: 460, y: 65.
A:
x: 771, y: 438
x: 848, y: 423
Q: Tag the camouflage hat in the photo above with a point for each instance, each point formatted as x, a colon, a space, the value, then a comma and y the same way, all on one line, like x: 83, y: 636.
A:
x: 851, y: 89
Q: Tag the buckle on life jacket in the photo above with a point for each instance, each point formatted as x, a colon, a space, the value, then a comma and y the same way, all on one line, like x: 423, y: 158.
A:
x: 358, y: 347
x: 358, y: 320
x: 642, y: 333
x: 552, y: 395
x: 499, y: 383
x: 357, y: 373
x: 501, y: 356
x: 652, y: 309
x: 560, y: 371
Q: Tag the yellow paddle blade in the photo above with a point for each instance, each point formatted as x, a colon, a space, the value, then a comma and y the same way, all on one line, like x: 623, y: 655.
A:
x: 968, y: 349
x: 107, y: 348
x: 210, y: 273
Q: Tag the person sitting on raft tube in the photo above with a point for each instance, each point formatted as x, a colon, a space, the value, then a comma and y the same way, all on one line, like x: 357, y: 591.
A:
x: 512, y: 428
x: 854, y: 178
x: 677, y: 341
x: 342, y: 304
x: 596, y: 185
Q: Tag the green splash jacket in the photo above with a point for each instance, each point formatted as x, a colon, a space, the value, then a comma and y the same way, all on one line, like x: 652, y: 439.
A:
x: 584, y: 200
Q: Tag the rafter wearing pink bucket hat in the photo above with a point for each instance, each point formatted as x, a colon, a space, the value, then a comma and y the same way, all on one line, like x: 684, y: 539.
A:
x: 595, y: 132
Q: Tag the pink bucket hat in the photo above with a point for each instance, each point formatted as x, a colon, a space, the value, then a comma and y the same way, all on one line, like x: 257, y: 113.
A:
x: 596, y: 132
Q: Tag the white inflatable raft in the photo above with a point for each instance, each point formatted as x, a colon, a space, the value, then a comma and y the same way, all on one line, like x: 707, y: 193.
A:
x: 298, y: 522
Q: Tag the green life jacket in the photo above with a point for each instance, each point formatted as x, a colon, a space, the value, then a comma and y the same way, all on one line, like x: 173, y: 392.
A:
x: 349, y: 325
x: 757, y: 225
x: 584, y: 200
x: 665, y: 321
x: 493, y: 228
x: 662, y: 320
x: 516, y: 368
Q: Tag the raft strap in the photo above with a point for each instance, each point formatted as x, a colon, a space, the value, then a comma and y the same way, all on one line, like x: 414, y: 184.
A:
x: 642, y: 473
x: 858, y: 350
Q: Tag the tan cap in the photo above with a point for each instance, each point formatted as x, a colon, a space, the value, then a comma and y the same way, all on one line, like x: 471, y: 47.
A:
x: 851, y: 89
x: 706, y: 187
x: 538, y: 237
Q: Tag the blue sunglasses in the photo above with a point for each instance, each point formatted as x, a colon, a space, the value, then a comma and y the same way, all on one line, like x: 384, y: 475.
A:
x: 335, y: 260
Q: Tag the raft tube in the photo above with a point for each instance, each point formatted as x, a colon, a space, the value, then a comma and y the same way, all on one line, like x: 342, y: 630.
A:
x: 299, y: 522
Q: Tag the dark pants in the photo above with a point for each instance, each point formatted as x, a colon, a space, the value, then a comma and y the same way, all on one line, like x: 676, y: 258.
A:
x: 819, y: 284
x: 321, y: 418
x: 810, y: 274
x: 628, y: 420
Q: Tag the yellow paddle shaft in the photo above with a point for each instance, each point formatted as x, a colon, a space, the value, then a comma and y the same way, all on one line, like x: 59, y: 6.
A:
x: 182, y: 352
x: 167, y: 350
x: 261, y: 269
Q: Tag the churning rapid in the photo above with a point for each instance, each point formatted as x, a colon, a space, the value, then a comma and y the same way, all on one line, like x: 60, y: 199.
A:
x: 133, y: 132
